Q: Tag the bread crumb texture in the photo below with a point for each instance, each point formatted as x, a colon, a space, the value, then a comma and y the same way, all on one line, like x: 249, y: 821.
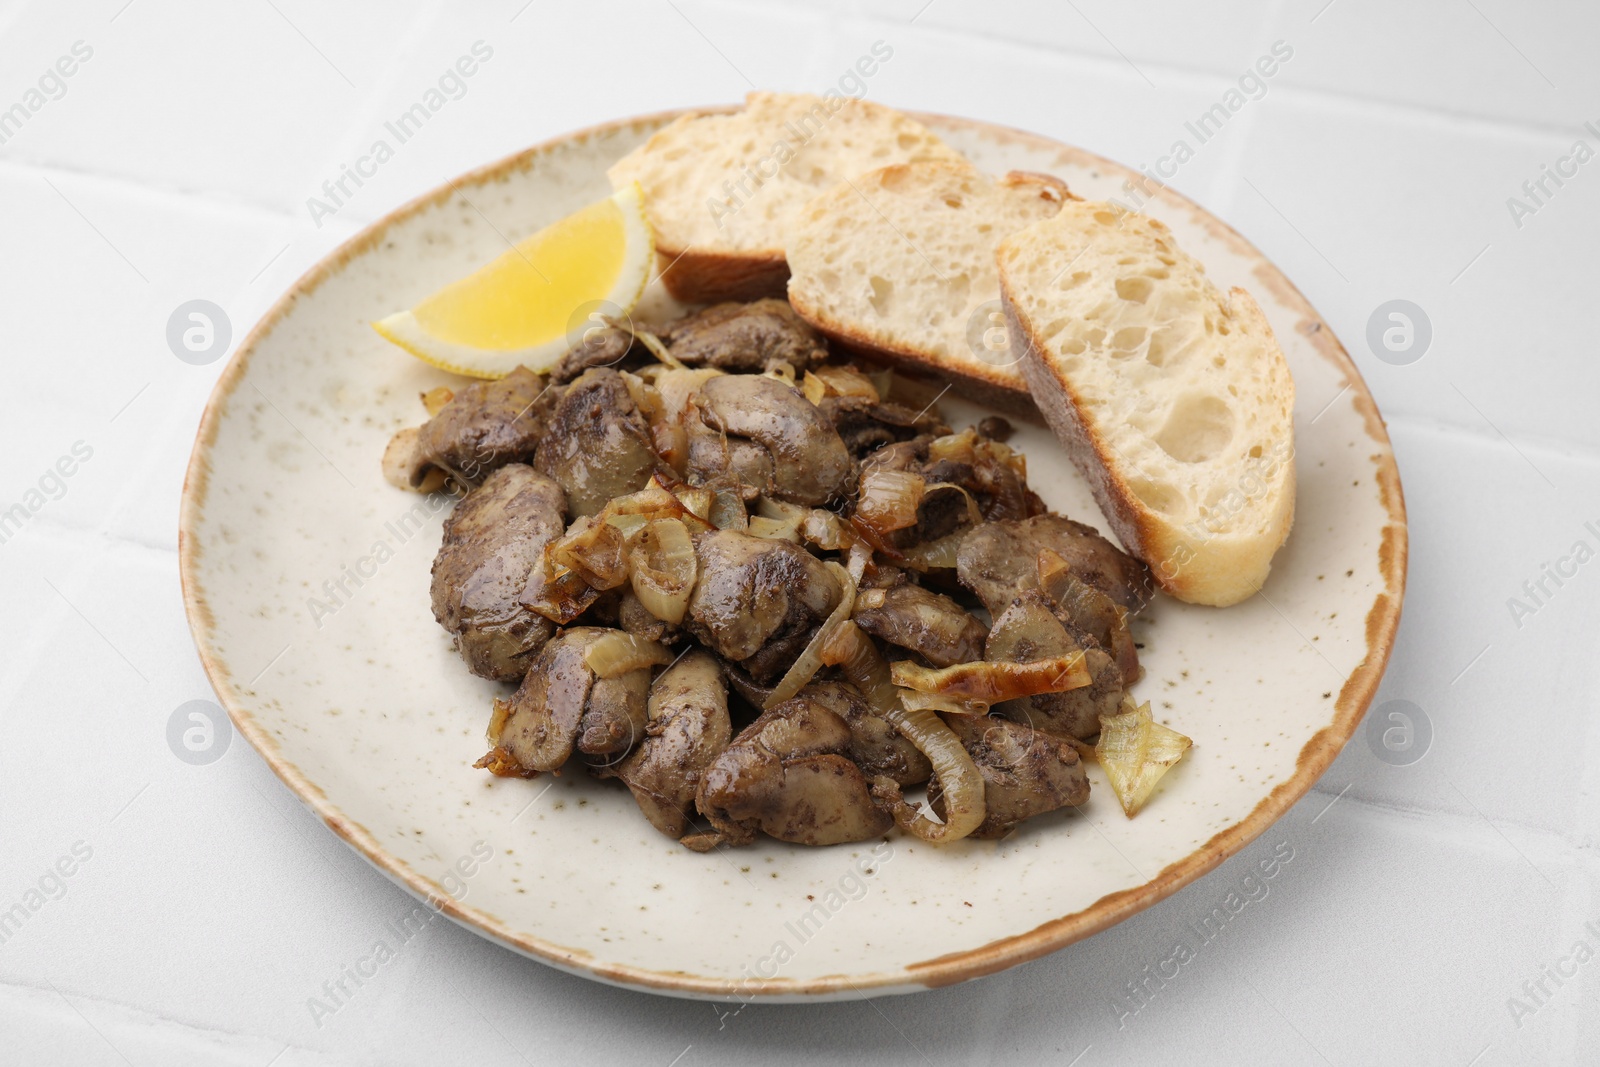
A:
x: 903, y: 259
x: 734, y: 183
x: 1185, y: 384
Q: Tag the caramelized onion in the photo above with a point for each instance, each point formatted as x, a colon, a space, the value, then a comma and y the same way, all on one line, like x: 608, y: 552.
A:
x: 403, y: 465
x: 781, y: 370
x: 559, y: 597
x: 592, y: 549
x: 916, y: 701
x: 889, y: 499
x: 696, y: 500
x: 809, y: 662
x: 1135, y: 752
x: 728, y: 511
x: 777, y: 520
x: 991, y: 682
x: 826, y: 530
x: 664, y: 569
x: 960, y: 784
x: 969, y: 446
x: 675, y: 387
x: 934, y: 555
x: 774, y: 529
x: 837, y: 380
x: 657, y: 348
x: 616, y: 653
x: 436, y: 398
x: 852, y: 651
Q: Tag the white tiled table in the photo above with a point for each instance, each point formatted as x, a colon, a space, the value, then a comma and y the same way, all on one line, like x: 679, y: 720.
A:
x: 175, y: 163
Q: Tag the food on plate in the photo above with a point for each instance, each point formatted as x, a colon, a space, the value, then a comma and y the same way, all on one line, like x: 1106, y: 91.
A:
x: 687, y: 729
x: 703, y: 591
x: 566, y: 702
x: 788, y: 774
x: 899, y: 263
x: 526, y: 308
x: 596, y: 444
x: 1171, y: 397
x: 734, y: 556
x: 722, y: 190
x: 473, y: 431
x: 1136, y: 751
x: 1025, y: 772
x: 493, y: 541
x: 759, y: 336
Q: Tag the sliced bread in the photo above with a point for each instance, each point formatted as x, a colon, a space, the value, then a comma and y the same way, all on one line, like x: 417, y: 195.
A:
x: 899, y: 263
x: 721, y: 190
x: 1171, y: 397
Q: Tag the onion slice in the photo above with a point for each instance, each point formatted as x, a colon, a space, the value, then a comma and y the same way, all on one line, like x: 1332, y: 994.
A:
x: 990, y: 682
x: 664, y: 569
x: 889, y: 499
x: 949, y: 705
x: 614, y: 654
x: 727, y: 510
x: 658, y: 349
x: 434, y: 400
x: 852, y: 651
x: 937, y: 555
x: 809, y: 662
x: 839, y: 380
x: 1136, y: 751
x: 558, y: 597
x: 696, y: 500
x: 960, y: 783
x: 594, y: 550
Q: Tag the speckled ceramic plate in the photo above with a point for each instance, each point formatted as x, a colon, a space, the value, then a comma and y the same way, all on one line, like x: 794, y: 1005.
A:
x: 306, y: 582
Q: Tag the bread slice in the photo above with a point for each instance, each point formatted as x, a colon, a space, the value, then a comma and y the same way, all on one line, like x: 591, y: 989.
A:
x: 721, y: 190
x: 1173, y: 399
x: 899, y: 263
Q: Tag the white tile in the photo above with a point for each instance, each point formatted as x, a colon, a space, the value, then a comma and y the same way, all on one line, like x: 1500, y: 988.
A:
x: 241, y: 101
x: 1215, y: 36
x: 527, y: 91
x: 133, y: 406
x: 1360, y: 206
x: 1490, y: 57
x: 1507, y: 705
x: 1039, y: 91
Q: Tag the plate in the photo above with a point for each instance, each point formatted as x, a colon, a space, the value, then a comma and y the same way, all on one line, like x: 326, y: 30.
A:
x: 305, y: 578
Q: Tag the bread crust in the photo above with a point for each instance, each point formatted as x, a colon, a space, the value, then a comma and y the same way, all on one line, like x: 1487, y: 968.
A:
x: 992, y: 386
x: 694, y: 276
x: 704, y: 268
x: 1215, y: 571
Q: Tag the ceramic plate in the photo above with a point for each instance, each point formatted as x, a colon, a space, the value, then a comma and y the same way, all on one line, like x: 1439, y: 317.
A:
x: 306, y: 582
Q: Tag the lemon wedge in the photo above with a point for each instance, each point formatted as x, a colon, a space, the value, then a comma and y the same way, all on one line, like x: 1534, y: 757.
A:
x: 533, y: 303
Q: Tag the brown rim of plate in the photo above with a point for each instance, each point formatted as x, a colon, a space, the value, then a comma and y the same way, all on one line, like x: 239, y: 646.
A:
x: 1356, y: 694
